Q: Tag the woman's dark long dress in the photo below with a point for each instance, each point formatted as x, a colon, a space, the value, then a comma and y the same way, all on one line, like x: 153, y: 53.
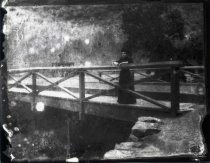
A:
x: 125, y: 81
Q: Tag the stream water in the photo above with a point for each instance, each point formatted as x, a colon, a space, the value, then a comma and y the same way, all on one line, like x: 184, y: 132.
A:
x: 45, y: 134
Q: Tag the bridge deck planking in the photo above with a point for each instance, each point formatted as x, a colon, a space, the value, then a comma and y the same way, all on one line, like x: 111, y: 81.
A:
x: 104, y: 106
x: 100, y: 99
x: 146, y: 89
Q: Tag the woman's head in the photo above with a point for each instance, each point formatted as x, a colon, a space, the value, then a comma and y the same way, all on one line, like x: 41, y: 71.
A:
x: 125, y: 52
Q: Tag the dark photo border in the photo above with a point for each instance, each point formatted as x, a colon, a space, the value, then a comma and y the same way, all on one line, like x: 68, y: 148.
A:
x: 206, y: 120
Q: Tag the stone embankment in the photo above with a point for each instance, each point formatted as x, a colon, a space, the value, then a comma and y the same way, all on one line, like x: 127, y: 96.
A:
x: 144, y: 127
x: 169, y: 136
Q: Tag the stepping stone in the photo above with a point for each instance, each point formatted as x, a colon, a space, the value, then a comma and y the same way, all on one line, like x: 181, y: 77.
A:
x: 129, y: 146
x: 146, y: 126
x: 132, y: 138
x: 149, y: 119
x: 118, y: 154
x: 149, y: 151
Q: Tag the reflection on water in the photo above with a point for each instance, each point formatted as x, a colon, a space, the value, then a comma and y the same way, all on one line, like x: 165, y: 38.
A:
x: 45, y: 134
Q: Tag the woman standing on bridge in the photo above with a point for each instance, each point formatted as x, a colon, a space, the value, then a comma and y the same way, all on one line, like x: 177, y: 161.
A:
x: 126, y: 78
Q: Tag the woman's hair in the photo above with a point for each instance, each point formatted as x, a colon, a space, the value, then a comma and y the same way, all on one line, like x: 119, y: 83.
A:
x: 128, y: 52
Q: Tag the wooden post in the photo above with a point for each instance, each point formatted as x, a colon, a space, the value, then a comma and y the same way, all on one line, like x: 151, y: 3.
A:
x: 81, y: 94
x: 68, y: 152
x: 34, y: 91
x: 175, y: 96
x: 100, y: 75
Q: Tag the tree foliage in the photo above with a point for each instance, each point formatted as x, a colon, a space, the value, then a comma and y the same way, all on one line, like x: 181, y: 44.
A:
x: 167, y: 31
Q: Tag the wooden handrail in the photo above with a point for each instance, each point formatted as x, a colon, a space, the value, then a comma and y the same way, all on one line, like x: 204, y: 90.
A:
x: 147, y: 65
x: 193, y: 74
x: 144, y: 69
x: 192, y: 67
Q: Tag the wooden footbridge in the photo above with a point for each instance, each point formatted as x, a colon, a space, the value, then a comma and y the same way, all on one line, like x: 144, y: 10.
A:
x: 92, y: 90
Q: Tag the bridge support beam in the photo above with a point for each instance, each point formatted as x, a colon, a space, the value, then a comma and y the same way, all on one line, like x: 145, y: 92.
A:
x: 175, y: 96
x: 34, y: 91
x: 81, y: 94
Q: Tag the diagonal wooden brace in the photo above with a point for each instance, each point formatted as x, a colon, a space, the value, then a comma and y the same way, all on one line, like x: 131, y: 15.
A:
x: 104, y: 92
x: 61, y: 80
x: 151, y: 77
x: 18, y: 81
x: 62, y: 88
x: 153, y: 101
x: 23, y: 85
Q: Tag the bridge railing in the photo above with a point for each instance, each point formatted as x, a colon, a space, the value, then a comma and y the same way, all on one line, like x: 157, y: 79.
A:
x: 173, y: 68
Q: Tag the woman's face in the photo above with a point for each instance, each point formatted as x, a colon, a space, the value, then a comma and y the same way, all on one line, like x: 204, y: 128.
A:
x: 123, y: 54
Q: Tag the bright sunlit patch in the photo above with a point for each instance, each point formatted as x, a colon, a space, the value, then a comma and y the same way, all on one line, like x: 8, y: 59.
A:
x: 4, y: 3
x: 40, y: 106
x: 9, y: 116
x: 16, y: 129
x: 87, y: 63
x: 87, y: 41
x: 12, y: 157
x: 13, y: 103
x: 52, y: 50
x: 187, y: 36
x: 58, y: 46
x: 31, y: 50
x: 74, y: 159
x: 66, y: 37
